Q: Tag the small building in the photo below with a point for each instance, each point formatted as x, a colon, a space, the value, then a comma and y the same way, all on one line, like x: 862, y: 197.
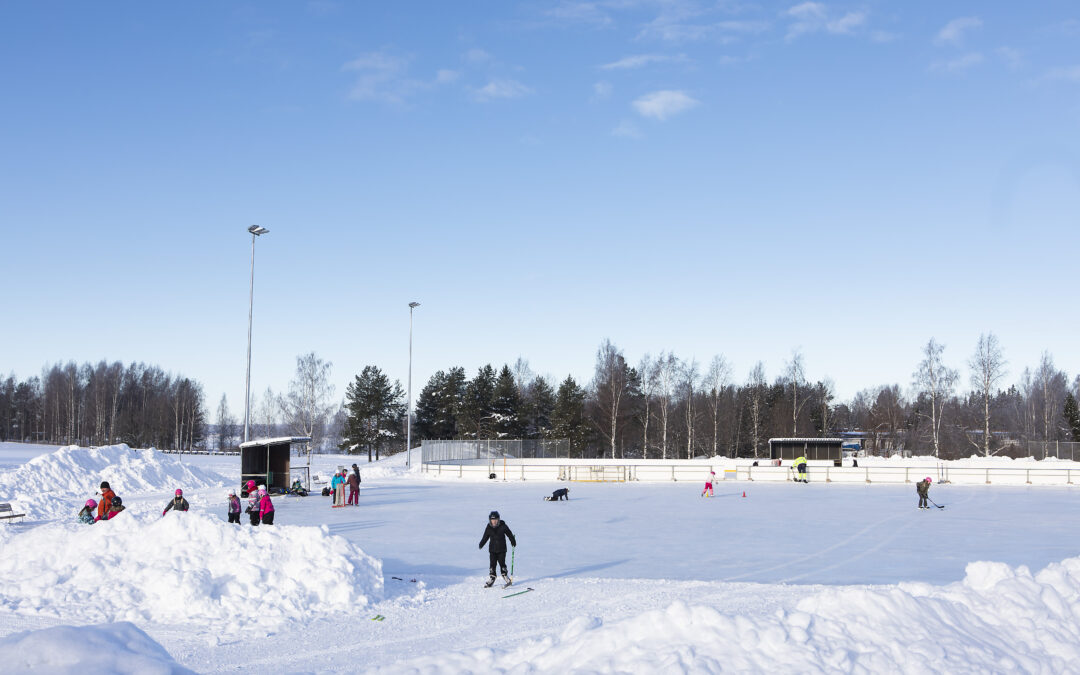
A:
x: 267, y: 461
x: 814, y: 449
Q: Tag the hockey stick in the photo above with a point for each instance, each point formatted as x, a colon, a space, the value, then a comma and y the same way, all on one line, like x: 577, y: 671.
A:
x: 935, y: 504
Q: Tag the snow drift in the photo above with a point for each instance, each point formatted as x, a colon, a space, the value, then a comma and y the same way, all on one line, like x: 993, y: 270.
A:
x: 56, y: 484
x: 185, y: 568
x: 115, y: 648
x: 998, y: 619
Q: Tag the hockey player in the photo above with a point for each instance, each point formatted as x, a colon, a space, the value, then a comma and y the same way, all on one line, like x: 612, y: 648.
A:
x: 558, y: 495
x: 923, y: 488
x: 800, y: 467
x: 497, y: 532
x: 707, y: 492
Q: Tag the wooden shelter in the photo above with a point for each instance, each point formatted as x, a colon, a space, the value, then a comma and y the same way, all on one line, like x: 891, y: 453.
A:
x: 267, y: 461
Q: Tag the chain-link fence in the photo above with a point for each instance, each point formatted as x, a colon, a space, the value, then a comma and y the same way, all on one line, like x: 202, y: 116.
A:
x: 1059, y: 449
x: 434, y: 452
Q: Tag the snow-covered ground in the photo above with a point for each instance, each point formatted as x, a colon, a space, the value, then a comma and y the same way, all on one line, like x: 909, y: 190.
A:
x: 628, y: 577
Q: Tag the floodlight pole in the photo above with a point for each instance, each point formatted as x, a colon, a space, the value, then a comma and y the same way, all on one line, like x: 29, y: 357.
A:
x: 255, y: 231
x: 408, y: 405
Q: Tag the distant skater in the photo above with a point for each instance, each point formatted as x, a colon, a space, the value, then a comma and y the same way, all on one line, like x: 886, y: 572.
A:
x: 497, y: 533
x: 707, y: 492
x: 923, y: 488
x: 559, y: 495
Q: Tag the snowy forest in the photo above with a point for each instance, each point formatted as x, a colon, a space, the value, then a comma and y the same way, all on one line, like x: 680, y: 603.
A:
x: 660, y: 406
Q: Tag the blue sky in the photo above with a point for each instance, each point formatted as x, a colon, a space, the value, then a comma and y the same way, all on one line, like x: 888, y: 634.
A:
x: 849, y: 179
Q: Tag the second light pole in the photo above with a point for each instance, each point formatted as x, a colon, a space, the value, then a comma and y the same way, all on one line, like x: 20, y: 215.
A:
x: 255, y: 231
x: 408, y: 405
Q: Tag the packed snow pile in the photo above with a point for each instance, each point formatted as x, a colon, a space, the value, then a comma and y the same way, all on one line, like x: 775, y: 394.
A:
x: 998, y: 619
x: 56, y: 484
x: 112, y: 648
x: 185, y: 568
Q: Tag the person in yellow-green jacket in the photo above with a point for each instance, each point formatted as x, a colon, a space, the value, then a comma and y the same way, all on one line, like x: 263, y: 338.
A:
x: 800, y: 467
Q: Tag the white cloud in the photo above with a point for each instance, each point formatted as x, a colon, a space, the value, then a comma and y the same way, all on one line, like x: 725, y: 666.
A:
x: 958, y: 65
x: 626, y: 129
x: 446, y: 76
x: 1012, y: 57
x: 662, y: 104
x: 814, y: 17
x: 575, y: 11
x: 381, y: 76
x: 602, y: 90
x: 477, y: 55
x: 953, y: 32
x: 501, y: 88
x: 1063, y: 74
x: 669, y: 30
x: 640, y: 60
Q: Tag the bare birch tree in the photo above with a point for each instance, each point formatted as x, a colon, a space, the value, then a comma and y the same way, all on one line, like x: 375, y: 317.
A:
x: 756, y: 385
x: 937, y: 381
x: 987, y: 368
x: 796, y: 374
x: 307, y: 405
x: 690, y: 373
x: 667, y: 374
x: 648, y: 374
x: 609, y: 387
x: 716, y: 378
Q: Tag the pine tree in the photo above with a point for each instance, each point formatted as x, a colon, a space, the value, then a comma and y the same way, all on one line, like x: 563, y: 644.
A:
x: 568, y: 417
x: 375, y: 413
x: 1072, y: 416
x: 506, y: 406
x: 430, y: 422
x: 476, y: 408
x: 537, y: 408
x: 452, y: 403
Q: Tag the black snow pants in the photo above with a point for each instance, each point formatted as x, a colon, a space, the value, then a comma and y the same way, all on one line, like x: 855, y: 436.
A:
x: 268, y: 519
x: 234, y: 517
x: 496, y: 557
x: 254, y: 515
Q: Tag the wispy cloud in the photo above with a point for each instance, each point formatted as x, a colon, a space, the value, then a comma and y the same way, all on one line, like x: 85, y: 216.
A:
x: 1062, y: 74
x: 953, y: 32
x: 626, y: 129
x: 383, y: 77
x: 477, y: 55
x: 957, y: 65
x: 575, y: 11
x: 660, y: 105
x: 672, y: 30
x: 501, y: 89
x: 815, y: 17
x: 641, y: 60
x: 601, y: 91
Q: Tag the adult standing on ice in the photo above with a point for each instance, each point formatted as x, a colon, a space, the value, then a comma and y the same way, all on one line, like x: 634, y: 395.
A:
x: 266, y: 507
x: 106, y: 500
x: 337, y: 487
x: 923, y: 488
x: 234, y: 507
x: 354, y: 486
x: 177, y: 503
x: 800, y: 466
x: 497, y: 533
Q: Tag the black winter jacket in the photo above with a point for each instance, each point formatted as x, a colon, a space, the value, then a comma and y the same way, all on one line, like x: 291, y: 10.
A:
x: 177, y: 504
x: 498, y: 535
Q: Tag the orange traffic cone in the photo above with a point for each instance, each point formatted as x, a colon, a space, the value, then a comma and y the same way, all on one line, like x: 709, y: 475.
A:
x: 744, y: 494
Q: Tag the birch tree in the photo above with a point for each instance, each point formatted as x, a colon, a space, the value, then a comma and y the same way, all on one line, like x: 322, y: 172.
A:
x: 987, y: 368
x: 937, y: 381
x: 756, y: 385
x: 308, y: 404
x: 647, y: 370
x: 609, y: 387
x: 667, y: 374
x: 690, y: 373
x: 716, y: 379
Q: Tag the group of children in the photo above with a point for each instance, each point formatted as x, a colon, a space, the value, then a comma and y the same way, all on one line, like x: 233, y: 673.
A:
x: 260, y: 508
x: 106, y: 508
x: 337, y: 487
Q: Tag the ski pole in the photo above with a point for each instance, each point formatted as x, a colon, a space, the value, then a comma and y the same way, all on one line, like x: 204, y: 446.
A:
x: 513, y: 552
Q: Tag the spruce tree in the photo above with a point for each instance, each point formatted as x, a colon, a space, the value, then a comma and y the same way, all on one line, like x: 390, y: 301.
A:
x: 431, y: 422
x: 477, y: 404
x: 1072, y: 416
x: 568, y: 417
x: 506, y: 406
x: 452, y: 403
x: 538, y: 408
x: 375, y: 413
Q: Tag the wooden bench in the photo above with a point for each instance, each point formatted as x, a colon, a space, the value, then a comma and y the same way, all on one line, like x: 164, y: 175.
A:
x: 7, y: 512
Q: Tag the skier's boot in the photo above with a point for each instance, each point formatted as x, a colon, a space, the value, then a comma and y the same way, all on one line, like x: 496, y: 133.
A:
x: 490, y: 582
x: 507, y: 580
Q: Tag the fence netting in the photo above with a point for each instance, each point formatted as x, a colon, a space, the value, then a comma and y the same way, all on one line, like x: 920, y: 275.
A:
x: 434, y: 452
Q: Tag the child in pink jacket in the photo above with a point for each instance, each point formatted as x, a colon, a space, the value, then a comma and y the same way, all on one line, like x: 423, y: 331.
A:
x: 266, y: 508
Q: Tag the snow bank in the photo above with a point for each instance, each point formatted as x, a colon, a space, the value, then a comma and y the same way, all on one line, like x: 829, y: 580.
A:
x: 56, y: 484
x: 998, y: 619
x: 185, y: 568
x: 114, y: 648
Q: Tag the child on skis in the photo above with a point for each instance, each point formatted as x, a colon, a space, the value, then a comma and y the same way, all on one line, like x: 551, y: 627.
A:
x: 707, y: 492
x: 177, y: 503
x: 86, y: 515
x: 497, y: 533
x: 266, y: 507
x: 923, y: 488
x: 234, y: 507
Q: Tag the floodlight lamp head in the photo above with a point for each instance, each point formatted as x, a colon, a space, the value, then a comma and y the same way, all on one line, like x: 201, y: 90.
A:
x: 257, y: 230
x: 413, y: 305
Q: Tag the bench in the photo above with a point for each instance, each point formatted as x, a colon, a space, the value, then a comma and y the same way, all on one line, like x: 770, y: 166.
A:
x: 7, y: 512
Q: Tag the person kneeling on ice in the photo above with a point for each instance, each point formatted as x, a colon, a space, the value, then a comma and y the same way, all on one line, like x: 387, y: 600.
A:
x: 266, y: 507
x: 86, y: 515
x: 923, y: 488
x: 115, y: 507
x: 558, y: 495
x: 707, y: 492
x: 177, y: 503
x: 497, y: 532
x: 234, y: 507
